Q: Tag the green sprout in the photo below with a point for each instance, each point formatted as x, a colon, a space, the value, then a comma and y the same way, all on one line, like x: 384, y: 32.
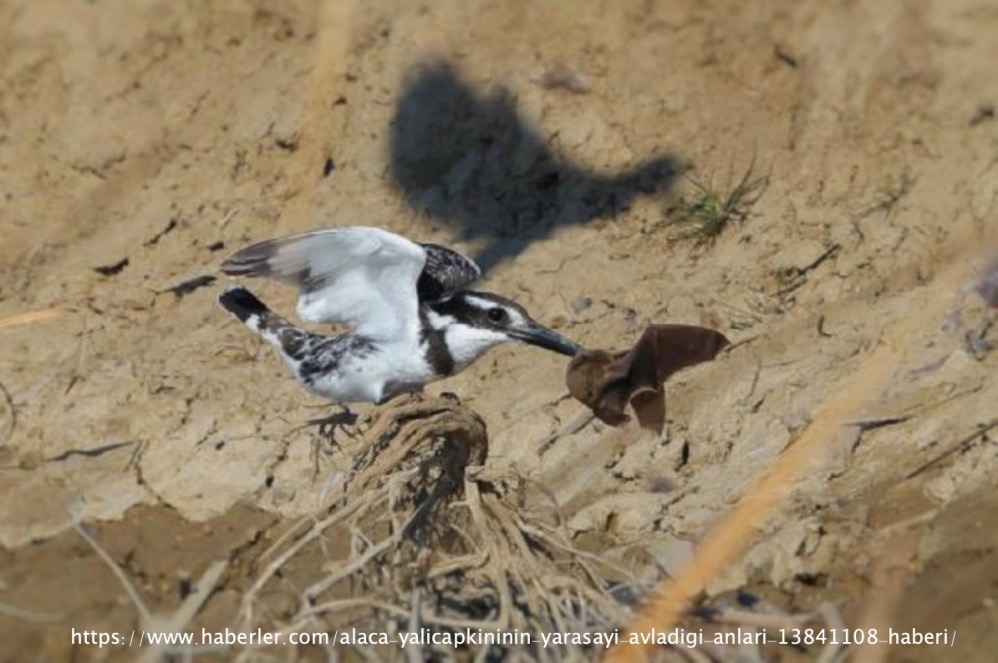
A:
x: 707, y: 212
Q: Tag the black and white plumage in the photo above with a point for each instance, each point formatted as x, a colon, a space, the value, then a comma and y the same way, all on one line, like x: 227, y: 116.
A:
x: 412, y: 321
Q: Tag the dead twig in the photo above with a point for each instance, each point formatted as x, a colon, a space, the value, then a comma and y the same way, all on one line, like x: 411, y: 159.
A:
x: 962, y: 444
x: 30, y: 317
x: 27, y: 615
x: 580, y: 421
x: 183, y: 616
x: 13, y: 413
x: 145, y: 616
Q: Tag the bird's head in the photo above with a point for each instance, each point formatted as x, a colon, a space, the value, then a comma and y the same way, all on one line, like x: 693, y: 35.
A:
x: 473, y: 322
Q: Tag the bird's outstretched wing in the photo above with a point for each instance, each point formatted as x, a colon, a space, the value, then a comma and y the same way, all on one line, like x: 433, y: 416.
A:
x: 361, y: 276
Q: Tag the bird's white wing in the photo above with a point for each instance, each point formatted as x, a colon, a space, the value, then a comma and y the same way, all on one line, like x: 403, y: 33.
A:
x: 364, y: 277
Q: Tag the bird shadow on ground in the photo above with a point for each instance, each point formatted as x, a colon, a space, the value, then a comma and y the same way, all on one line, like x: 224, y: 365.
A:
x: 474, y: 163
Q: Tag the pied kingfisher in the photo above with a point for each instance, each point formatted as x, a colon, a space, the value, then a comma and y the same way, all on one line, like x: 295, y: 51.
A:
x: 412, y: 321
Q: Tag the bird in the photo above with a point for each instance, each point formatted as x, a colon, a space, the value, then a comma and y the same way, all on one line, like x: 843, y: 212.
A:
x: 412, y: 321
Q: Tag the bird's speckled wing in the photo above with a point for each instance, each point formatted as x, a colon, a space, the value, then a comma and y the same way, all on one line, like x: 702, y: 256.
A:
x: 361, y: 276
x: 445, y: 271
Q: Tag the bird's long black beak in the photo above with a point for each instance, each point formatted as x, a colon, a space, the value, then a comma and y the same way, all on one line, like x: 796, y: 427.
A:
x: 545, y: 338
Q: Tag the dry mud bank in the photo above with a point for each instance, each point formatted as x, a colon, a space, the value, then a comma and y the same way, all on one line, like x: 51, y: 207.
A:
x: 169, y: 134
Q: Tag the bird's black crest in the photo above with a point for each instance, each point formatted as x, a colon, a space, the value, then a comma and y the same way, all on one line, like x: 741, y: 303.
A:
x: 445, y: 271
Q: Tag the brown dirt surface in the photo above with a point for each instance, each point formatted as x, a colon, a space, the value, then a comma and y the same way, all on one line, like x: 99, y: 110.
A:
x: 566, y: 145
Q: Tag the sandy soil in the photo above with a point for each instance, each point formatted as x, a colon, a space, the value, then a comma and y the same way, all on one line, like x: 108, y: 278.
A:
x: 169, y: 134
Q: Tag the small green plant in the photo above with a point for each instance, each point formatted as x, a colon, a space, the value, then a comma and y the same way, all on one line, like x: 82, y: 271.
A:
x: 889, y: 195
x: 704, y: 214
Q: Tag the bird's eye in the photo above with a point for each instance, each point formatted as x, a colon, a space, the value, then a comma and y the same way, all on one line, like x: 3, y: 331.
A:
x: 497, y: 315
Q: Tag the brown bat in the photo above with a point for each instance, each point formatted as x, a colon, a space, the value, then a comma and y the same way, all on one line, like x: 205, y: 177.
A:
x: 607, y: 382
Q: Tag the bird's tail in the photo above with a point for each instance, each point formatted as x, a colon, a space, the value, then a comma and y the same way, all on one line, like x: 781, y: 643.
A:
x: 243, y: 304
